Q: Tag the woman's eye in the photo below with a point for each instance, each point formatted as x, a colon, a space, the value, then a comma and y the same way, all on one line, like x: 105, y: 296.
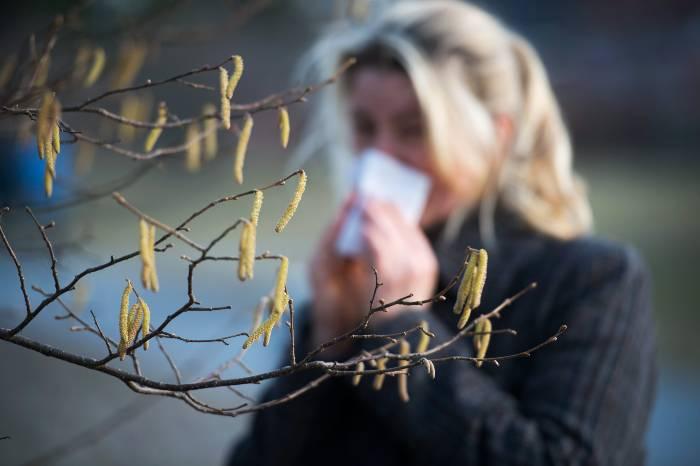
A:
x: 364, y: 128
x: 411, y: 132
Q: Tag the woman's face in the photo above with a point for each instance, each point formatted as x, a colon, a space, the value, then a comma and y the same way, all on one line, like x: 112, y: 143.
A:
x: 386, y: 115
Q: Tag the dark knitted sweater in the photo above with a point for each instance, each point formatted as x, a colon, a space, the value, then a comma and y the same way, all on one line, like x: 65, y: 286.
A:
x: 584, y: 400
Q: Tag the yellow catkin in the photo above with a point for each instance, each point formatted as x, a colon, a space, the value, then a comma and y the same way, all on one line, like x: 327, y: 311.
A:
x: 50, y: 156
x: 122, y: 349
x: 124, y: 312
x: 467, y: 309
x: 48, y: 182
x: 225, y: 110
x: 404, y: 348
x: 99, y: 57
x: 246, y: 249
x: 271, y: 322
x: 211, y: 145
x: 465, y: 286
x: 257, y: 333
x: 48, y: 135
x: 279, y: 298
x: 193, y: 161
x: 130, y: 108
x: 7, y: 70
x: 283, y: 116
x: 481, y: 342
x: 255, y: 208
x: 155, y: 133
x: 429, y: 367
x: 479, y: 279
x: 43, y: 124
x: 241, y: 148
x: 145, y: 324
x: 424, y: 338
x: 264, y: 329
x: 131, y: 58
x: 82, y: 57
x: 276, y: 312
x: 50, y: 153
x: 42, y: 71
x: 56, y: 138
x: 145, y: 253
x: 360, y: 368
x: 293, y: 204
x: 135, y: 319
x: 378, y: 381
x: 259, y: 310
x: 133, y: 325
x: 152, y: 243
x: 236, y: 76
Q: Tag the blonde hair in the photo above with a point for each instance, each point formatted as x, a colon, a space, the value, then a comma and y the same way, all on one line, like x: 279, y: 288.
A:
x: 466, y: 68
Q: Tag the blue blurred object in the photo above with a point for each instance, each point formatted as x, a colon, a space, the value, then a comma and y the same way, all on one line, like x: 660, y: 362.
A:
x: 22, y: 172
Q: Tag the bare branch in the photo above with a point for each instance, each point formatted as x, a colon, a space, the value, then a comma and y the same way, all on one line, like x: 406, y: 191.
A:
x: 207, y: 340
x: 18, y: 266
x: 42, y: 230
x: 121, y: 200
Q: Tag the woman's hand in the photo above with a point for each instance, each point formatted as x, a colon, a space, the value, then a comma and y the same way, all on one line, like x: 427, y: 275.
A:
x: 342, y: 287
x: 400, y: 252
x: 335, y: 281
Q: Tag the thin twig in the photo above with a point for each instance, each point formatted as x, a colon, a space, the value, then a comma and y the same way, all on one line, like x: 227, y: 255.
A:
x: 42, y: 230
x: 292, y: 349
x: 121, y: 200
x: 18, y: 266
x: 207, y: 340
x: 94, y: 319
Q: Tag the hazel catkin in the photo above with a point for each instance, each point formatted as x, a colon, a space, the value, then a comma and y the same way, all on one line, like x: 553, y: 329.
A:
x: 472, y: 286
x: 193, y: 159
x: 155, y: 132
x: 378, y: 381
x: 235, y: 76
x: 481, y: 340
x: 429, y: 367
x: 279, y: 298
x: 283, y: 117
x: 424, y: 338
x: 211, y: 144
x: 255, y: 208
x: 466, y: 283
x: 99, y: 57
x: 48, y: 182
x: 293, y: 203
x: 241, y: 148
x: 479, y: 279
x: 152, y: 243
x: 225, y: 103
x: 146, y: 323
x: 404, y: 348
x: 144, y: 251
x: 359, y: 368
x: 124, y: 312
x: 246, y: 249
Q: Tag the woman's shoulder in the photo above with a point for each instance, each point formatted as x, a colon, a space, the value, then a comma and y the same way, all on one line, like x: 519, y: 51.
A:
x: 593, y: 273
x: 592, y: 258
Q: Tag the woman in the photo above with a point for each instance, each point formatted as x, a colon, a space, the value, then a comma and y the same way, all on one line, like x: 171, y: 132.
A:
x: 446, y: 89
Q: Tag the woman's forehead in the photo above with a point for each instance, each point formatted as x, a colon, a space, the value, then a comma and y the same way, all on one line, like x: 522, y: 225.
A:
x: 382, y: 92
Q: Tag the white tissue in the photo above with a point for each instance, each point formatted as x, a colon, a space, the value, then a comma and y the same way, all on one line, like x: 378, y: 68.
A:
x: 377, y: 175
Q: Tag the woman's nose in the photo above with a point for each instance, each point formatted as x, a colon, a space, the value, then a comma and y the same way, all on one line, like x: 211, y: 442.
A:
x: 388, y: 144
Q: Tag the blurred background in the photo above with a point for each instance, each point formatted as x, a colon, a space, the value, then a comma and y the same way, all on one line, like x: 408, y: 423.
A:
x: 627, y: 74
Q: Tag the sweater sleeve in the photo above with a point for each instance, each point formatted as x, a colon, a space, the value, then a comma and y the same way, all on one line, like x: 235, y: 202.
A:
x: 585, y: 399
